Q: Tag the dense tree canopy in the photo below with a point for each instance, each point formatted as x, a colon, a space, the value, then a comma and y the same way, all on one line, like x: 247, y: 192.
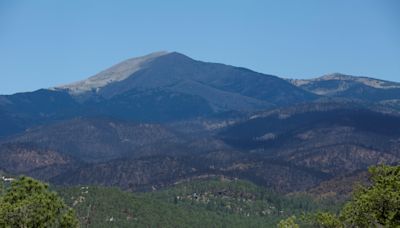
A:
x: 373, y: 205
x: 377, y: 204
x: 29, y: 203
x: 288, y: 223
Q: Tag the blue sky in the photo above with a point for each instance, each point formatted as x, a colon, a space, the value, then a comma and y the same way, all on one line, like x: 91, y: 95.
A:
x: 50, y: 42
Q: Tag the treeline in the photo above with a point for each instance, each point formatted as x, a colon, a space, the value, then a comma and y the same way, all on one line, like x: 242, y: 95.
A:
x: 200, y: 203
x: 373, y: 205
x: 218, y: 202
x: 25, y: 202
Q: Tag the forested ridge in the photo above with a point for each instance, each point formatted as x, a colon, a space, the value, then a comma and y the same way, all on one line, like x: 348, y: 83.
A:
x: 209, y: 202
x: 216, y: 202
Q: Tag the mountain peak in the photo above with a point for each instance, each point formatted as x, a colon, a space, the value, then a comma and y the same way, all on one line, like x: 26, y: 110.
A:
x: 116, y: 73
x: 337, y: 76
x: 371, y: 82
x: 346, y: 79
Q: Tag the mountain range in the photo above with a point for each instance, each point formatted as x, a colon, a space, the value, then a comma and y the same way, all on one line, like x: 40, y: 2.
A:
x: 153, y: 121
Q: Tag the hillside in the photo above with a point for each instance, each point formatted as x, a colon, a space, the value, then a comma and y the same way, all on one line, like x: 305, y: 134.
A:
x: 298, y: 148
x: 101, y: 139
x: 212, y: 202
x: 335, y: 133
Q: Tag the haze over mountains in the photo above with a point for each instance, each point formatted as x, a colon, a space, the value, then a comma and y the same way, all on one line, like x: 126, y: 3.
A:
x: 151, y: 121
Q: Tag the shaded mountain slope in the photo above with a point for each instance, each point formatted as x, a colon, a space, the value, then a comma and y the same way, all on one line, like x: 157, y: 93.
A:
x: 150, y: 105
x: 101, y: 139
x: 35, y: 161
x: 288, y: 149
x: 329, y: 140
x: 22, y: 110
x: 146, y: 173
x: 24, y: 157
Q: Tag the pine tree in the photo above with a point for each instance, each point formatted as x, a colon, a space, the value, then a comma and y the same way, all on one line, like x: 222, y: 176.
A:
x: 30, y: 203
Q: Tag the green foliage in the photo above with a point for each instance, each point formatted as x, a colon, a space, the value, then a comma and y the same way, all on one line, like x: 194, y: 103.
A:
x: 378, y: 203
x: 326, y: 220
x: 288, y: 223
x: 237, y: 197
x: 69, y: 219
x: 200, y: 203
x: 374, y: 205
x: 29, y: 203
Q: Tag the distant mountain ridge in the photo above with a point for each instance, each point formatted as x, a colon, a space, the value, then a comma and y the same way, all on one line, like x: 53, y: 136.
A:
x: 175, y: 72
x: 372, y: 82
x: 352, y: 87
x: 158, y: 87
x: 159, y: 119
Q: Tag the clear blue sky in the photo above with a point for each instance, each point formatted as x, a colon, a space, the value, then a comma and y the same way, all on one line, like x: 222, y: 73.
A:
x: 49, y: 42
